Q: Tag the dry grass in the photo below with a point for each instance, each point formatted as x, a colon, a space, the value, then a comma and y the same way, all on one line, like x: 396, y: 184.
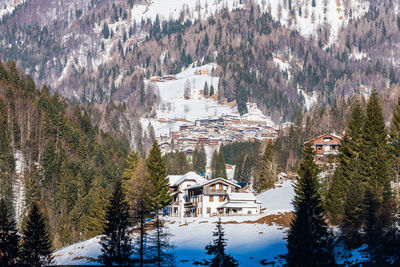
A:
x: 90, y: 259
x: 280, y: 219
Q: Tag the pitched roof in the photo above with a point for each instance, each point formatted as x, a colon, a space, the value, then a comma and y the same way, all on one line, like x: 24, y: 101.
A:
x: 241, y: 196
x: 238, y: 205
x: 175, y: 180
x: 334, y: 135
x: 212, y: 181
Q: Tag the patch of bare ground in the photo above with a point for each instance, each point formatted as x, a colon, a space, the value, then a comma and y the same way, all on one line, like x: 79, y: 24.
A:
x: 280, y: 219
x: 203, y: 222
x: 265, y: 262
x: 90, y: 259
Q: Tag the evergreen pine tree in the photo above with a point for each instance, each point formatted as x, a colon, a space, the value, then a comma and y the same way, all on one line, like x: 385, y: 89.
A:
x: 95, y: 220
x: 158, y: 177
x: 221, y: 170
x: 211, y: 90
x: 217, y: 248
x: 130, y: 166
x: 348, y: 164
x: 374, y: 166
x: 8, y: 236
x: 395, y: 130
x: 159, y: 245
x: 36, y: 242
x: 268, y: 168
x: 309, y: 239
x: 140, y: 191
x: 199, y: 160
x: 206, y: 91
x: 7, y: 164
x: 395, y: 141
x: 116, y: 243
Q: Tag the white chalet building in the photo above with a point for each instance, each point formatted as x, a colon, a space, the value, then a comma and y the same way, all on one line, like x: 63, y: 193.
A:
x: 193, y: 195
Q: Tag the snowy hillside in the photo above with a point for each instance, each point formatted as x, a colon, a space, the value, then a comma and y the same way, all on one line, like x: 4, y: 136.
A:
x: 8, y: 6
x: 300, y: 15
x: 251, y: 239
x: 174, y: 110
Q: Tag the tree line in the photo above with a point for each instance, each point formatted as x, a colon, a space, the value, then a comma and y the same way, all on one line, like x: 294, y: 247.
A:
x: 361, y: 197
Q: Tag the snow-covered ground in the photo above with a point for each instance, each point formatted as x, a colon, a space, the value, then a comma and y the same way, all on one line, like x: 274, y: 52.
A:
x: 251, y: 239
x: 309, y: 100
x: 8, y: 6
x: 305, y: 18
x: 19, y: 186
x: 174, y: 110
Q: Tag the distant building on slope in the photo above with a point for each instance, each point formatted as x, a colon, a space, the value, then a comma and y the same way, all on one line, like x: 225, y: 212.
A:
x: 326, y: 148
x: 196, y: 196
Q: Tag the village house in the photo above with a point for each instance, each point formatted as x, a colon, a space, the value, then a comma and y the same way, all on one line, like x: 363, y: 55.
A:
x: 326, y: 148
x: 196, y: 196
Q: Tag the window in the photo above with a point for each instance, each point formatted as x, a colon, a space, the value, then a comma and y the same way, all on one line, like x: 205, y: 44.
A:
x: 208, y: 210
x: 211, y: 198
x: 213, y: 187
x: 319, y: 147
x: 249, y: 212
x: 221, y: 187
x: 221, y: 198
x: 327, y: 139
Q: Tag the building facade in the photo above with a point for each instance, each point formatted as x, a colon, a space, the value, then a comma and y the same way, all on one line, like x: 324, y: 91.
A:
x: 196, y: 196
x: 326, y: 148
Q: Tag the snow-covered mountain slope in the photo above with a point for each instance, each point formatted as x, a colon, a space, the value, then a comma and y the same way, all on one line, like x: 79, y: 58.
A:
x: 251, y: 239
x: 306, y: 16
x: 174, y: 110
x: 8, y: 6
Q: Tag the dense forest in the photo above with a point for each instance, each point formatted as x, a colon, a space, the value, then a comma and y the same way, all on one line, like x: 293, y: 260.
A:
x: 68, y: 163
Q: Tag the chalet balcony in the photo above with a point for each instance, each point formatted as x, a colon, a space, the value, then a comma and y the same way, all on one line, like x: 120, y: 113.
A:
x: 174, y: 203
x: 215, y: 191
x: 189, y: 204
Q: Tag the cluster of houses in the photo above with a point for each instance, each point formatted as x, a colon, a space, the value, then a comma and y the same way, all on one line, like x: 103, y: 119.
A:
x: 162, y: 78
x: 195, y: 196
x: 216, y: 131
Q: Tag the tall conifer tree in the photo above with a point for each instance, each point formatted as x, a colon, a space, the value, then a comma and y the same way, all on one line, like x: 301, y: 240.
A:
x: 8, y: 236
x: 140, y: 190
x: 374, y: 166
x: 7, y: 164
x: 116, y: 243
x: 309, y: 239
x: 217, y: 248
x: 268, y: 168
x: 130, y: 166
x: 348, y: 164
x: 158, y: 177
x: 199, y: 160
x: 36, y: 246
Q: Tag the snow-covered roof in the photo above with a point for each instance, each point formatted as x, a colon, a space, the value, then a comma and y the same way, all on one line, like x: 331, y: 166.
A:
x: 242, y: 196
x: 238, y: 205
x: 211, y: 181
x: 176, y: 180
x: 173, y: 179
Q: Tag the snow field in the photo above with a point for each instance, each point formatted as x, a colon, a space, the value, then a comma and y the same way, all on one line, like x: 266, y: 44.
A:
x: 248, y: 242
